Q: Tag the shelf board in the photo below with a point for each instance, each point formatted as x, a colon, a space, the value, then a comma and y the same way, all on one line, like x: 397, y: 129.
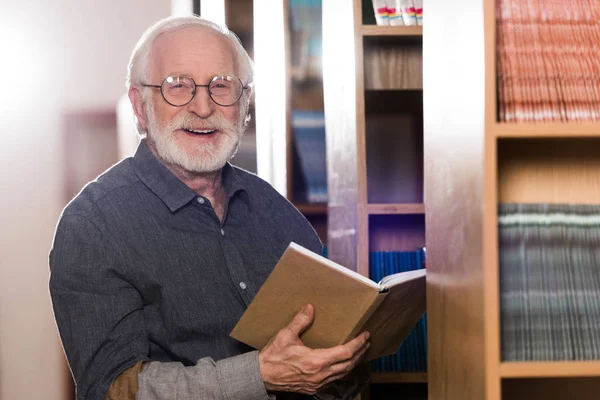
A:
x: 551, y: 129
x: 550, y: 369
x: 399, y: 377
x: 376, y: 30
x: 312, y: 208
x: 396, y: 209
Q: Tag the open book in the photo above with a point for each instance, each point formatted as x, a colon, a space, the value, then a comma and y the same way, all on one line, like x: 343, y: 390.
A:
x: 346, y: 304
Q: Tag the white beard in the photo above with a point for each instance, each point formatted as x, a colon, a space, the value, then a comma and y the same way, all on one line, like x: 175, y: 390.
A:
x: 202, y: 157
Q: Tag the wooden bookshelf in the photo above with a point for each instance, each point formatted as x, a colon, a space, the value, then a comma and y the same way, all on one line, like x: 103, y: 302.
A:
x: 373, y: 84
x: 417, y: 208
x: 471, y: 165
x: 374, y: 30
x: 312, y: 208
x: 399, y: 377
x: 552, y: 369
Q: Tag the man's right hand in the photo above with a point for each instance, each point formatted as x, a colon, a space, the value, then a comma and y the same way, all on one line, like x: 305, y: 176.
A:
x: 287, y: 365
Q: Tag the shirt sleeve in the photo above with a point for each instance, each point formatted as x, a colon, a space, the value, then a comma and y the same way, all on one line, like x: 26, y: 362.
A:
x: 99, y: 314
x: 234, y: 378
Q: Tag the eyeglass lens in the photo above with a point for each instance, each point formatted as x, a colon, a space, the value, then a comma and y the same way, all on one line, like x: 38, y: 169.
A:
x: 223, y: 90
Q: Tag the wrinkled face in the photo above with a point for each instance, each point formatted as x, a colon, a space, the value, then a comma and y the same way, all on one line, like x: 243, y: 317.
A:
x: 201, y: 136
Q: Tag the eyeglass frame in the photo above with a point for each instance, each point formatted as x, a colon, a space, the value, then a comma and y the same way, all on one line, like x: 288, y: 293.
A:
x: 196, y: 86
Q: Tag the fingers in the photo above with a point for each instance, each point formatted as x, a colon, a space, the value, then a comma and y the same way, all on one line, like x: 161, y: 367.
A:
x: 341, y: 370
x: 358, y: 342
x: 347, y: 351
x: 302, y: 320
x: 348, y: 365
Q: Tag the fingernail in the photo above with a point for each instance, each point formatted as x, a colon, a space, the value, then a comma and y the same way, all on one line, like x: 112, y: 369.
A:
x: 367, y: 336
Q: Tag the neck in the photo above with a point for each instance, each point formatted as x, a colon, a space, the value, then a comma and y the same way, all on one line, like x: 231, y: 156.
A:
x: 207, y: 184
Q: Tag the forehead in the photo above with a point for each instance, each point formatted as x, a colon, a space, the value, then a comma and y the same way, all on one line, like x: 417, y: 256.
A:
x: 197, y: 51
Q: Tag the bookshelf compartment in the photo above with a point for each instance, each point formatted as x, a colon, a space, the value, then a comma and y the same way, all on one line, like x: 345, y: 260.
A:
x: 396, y: 232
x: 394, y: 146
x: 551, y: 388
x: 555, y: 170
x: 393, y: 62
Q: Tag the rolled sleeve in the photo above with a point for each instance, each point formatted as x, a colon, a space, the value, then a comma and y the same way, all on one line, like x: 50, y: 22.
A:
x: 239, y: 377
x: 234, y: 378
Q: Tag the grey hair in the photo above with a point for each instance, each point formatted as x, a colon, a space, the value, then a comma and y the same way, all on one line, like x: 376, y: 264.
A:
x: 138, y: 69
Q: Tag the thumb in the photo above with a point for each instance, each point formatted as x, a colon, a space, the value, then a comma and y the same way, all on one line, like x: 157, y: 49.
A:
x: 302, y: 320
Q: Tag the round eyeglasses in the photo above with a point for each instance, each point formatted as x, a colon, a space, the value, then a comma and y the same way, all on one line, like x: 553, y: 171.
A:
x: 180, y: 90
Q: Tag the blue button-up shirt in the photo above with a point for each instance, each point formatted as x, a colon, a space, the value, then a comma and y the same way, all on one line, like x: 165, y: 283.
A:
x: 142, y: 268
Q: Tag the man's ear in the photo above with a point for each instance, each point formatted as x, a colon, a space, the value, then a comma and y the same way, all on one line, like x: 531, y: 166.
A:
x: 135, y: 96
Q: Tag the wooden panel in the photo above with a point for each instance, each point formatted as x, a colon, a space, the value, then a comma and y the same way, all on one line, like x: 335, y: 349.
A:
x: 505, y: 130
x: 455, y: 197
x: 312, y: 208
x: 394, y: 121
x: 374, y: 30
x: 416, y: 208
x: 491, y: 284
x: 396, y: 232
x: 393, y: 63
x: 551, y: 389
x: 549, y: 369
x: 399, y: 377
x: 549, y: 170
x: 344, y: 105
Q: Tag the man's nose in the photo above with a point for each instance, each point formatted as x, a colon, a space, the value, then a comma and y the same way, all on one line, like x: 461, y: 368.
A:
x: 201, y: 105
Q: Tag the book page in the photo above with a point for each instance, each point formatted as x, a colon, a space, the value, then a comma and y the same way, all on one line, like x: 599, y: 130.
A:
x: 392, y: 280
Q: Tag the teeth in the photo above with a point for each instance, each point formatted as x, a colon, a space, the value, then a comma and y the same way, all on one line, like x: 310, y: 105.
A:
x: 201, y: 131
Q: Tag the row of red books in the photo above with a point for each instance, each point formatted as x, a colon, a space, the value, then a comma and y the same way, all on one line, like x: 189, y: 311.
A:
x: 548, y: 60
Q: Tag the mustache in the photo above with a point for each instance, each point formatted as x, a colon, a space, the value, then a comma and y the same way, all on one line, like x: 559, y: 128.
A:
x: 214, y: 121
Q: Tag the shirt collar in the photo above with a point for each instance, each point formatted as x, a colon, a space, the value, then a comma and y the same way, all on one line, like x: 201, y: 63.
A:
x: 170, y: 189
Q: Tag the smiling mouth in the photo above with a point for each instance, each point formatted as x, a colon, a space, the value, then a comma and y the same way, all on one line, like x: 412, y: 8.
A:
x: 200, y: 131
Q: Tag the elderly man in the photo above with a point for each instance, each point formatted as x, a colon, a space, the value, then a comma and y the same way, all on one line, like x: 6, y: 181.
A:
x: 155, y: 261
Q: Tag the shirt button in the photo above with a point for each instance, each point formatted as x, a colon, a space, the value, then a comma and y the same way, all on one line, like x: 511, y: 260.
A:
x: 222, y: 232
x: 242, y: 285
x: 201, y: 200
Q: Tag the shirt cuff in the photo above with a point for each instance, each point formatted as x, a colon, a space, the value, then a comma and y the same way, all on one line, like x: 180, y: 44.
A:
x: 245, y: 366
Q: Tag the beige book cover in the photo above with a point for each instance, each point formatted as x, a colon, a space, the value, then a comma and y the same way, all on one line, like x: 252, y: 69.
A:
x: 346, y: 304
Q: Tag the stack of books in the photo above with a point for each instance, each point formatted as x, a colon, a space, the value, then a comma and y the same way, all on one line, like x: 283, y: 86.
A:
x: 548, y: 60
x: 549, y: 282
x: 412, y: 355
x: 398, y: 12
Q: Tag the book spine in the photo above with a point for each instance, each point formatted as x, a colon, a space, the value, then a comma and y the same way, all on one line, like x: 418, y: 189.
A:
x: 370, y: 309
